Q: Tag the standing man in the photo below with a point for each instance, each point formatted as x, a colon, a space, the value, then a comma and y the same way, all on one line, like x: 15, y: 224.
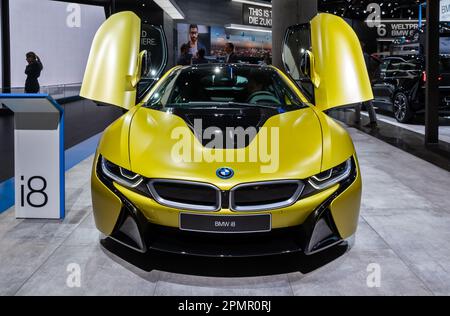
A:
x: 194, y: 44
x: 185, y: 58
x: 231, y: 57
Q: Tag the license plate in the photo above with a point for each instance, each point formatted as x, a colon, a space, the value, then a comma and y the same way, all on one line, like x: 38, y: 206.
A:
x: 226, y: 224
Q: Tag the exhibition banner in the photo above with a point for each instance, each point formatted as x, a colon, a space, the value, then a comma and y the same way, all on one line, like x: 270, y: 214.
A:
x: 257, y: 16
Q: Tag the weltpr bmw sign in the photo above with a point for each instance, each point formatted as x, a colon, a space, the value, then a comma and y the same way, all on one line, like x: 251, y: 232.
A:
x: 445, y: 11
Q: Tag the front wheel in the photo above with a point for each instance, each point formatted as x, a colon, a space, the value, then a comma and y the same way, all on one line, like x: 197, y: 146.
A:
x: 402, y: 108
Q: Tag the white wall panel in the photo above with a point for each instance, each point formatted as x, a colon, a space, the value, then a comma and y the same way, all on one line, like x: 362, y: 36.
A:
x: 60, y: 33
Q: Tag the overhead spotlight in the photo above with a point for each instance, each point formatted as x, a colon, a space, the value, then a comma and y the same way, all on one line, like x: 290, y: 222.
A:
x: 171, y: 8
x: 259, y: 3
x: 248, y: 28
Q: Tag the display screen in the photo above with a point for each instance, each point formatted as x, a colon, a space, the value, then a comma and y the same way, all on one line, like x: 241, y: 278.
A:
x: 250, y: 46
x: 444, y: 43
x: 196, y: 37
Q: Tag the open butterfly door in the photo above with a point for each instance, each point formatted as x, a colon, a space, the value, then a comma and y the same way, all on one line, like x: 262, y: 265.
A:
x: 125, y: 60
x: 324, y: 57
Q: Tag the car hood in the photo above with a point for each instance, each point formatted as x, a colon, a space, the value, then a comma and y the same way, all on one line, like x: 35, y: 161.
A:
x: 287, y: 146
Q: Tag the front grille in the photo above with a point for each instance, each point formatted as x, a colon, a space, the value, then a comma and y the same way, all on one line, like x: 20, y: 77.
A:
x: 186, y: 195
x: 251, y: 197
x: 265, y: 196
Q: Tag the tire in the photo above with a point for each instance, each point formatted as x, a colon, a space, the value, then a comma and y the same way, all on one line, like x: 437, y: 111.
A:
x: 402, y: 108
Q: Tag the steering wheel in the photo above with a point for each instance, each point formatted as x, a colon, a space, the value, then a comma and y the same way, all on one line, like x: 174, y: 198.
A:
x: 264, y: 97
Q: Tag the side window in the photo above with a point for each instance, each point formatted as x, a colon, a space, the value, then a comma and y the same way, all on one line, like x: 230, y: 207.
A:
x: 284, y: 93
x: 393, y: 69
x: 384, y: 66
x: 160, y: 96
x: 444, y: 65
x: 297, y: 41
x: 408, y: 69
x: 380, y: 71
x: 154, y: 42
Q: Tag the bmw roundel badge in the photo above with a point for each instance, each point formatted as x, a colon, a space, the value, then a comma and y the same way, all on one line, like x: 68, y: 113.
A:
x: 225, y: 173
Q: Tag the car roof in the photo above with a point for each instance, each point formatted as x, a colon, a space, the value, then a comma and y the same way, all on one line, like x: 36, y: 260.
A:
x: 404, y: 58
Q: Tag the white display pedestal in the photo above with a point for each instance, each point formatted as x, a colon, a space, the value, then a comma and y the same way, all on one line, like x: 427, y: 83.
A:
x: 38, y: 155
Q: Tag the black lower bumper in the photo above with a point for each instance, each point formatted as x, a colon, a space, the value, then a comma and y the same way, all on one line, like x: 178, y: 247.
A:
x: 224, y: 245
x: 317, y: 233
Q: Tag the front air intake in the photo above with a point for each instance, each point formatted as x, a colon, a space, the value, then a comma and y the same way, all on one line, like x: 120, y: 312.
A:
x: 186, y: 195
x: 265, y: 196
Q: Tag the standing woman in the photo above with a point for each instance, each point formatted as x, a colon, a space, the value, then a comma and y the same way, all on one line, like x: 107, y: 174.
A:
x: 33, y: 71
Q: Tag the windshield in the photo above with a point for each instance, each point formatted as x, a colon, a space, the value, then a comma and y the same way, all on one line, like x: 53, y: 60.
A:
x: 222, y: 85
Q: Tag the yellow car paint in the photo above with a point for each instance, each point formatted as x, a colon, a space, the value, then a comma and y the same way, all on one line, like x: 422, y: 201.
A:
x: 310, y: 142
x: 345, y: 208
x: 152, y: 141
x: 105, y: 203
x: 114, y: 145
x: 113, y: 67
x: 337, y: 143
x: 338, y: 63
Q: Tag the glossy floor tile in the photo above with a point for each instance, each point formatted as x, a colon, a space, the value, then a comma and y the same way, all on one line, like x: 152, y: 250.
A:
x: 401, y: 246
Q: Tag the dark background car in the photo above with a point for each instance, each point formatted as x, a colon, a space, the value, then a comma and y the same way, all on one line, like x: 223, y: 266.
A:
x: 399, y: 86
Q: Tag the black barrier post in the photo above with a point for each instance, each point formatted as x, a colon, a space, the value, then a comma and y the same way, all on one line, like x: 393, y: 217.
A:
x: 432, y: 69
x: 5, y: 46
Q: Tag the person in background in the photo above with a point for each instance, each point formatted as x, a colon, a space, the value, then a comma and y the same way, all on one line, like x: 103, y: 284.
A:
x: 200, y: 59
x: 267, y: 60
x: 257, y: 90
x: 185, y: 58
x: 231, y: 57
x: 368, y: 104
x: 33, y: 71
x: 194, y: 44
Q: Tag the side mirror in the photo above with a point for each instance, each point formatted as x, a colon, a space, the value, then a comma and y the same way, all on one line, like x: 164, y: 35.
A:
x: 141, y: 69
x: 307, y: 69
x: 305, y: 64
x: 145, y: 64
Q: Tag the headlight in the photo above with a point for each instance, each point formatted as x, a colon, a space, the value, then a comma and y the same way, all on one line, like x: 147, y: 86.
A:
x: 120, y: 175
x: 332, y: 177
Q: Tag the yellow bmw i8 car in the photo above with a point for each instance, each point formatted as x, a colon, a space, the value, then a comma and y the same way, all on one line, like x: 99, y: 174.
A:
x: 227, y: 159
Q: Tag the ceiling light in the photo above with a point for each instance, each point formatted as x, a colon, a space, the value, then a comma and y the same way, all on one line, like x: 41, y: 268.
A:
x: 171, y: 8
x: 247, y: 28
x: 261, y: 4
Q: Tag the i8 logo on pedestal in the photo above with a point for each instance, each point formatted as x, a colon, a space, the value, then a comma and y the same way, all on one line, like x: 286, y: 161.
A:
x: 38, y: 155
x: 38, y: 184
x: 34, y: 192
